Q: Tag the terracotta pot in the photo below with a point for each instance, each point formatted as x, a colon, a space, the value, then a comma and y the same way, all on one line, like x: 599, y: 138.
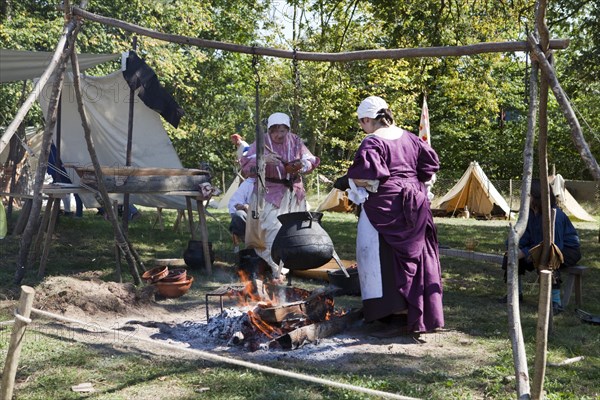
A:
x: 194, y: 254
x: 173, y: 290
x: 301, y: 242
x: 175, y: 275
x: 155, y: 274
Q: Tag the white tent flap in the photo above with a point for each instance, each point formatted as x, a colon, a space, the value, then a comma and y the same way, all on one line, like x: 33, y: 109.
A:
x: 106, y: 102
x: 20, y: 65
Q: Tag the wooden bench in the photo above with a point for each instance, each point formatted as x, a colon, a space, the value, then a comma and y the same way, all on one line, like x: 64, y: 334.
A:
x: 573, y: 282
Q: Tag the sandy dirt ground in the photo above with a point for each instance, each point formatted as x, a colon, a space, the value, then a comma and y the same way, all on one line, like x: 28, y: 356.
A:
x: 139, y: 322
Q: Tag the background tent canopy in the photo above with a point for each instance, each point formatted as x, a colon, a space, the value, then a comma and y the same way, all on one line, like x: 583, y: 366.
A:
x: 20, y: 65
x: 475, y: 191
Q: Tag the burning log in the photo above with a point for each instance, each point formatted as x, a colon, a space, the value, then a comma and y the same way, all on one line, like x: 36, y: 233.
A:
x: 314, y: 332
x: 316, y: 306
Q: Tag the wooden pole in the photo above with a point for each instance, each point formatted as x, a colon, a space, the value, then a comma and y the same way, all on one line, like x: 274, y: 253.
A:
x: 118, y: 252
x: 36, y: 204
x: 128, y: 155
x: 130, y: 255
x: 49, y: 232
x: 545, y: 287
x: 515, y: 233
x: 16, y: 342
x: 440, y: 51
x: 16, y: 155
x: 567, y: 110
x: 541, y: 337
x: 204, y: 234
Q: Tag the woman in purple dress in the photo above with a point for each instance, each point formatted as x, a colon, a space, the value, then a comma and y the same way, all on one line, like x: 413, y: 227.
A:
x: 397, y: 248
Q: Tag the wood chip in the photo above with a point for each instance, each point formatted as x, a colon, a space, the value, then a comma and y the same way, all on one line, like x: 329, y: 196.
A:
x: 85, y: 387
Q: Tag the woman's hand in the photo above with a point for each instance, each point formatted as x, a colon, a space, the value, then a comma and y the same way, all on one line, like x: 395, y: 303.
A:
x: 272, y: 158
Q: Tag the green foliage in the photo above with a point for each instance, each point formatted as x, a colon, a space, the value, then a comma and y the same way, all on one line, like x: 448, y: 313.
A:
x: 466, y: 95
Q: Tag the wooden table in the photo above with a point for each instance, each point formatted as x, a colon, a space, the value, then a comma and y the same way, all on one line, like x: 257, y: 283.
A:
x: 56, y: 192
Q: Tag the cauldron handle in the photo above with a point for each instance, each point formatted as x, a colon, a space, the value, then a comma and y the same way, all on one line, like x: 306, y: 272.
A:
x: 310, y: 218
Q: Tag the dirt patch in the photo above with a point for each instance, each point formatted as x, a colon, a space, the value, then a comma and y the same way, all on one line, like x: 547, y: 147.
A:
x: 77, y: 297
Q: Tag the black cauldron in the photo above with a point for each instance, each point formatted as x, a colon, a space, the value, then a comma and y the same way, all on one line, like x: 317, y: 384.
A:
x: 301, y: 242
x: 194, y: 254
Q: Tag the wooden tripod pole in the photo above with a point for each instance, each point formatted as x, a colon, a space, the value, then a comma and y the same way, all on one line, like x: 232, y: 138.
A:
x: 36, y: 204
x: 120, y: 238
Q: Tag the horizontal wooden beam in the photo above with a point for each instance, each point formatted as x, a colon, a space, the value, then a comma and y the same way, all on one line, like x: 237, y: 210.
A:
x: 375, y: 54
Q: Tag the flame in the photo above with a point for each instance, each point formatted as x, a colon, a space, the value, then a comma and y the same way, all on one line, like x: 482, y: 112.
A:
x: 262, y: 326
x: 249, y: 294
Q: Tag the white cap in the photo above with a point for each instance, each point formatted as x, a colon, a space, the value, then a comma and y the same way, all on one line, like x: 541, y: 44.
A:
x: 368, y: 107
x: 278, y: 119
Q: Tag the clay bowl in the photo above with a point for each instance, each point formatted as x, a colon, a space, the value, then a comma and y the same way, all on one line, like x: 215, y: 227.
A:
x: 173, y: 290
x: 175, y: 275
x: 155, y: 274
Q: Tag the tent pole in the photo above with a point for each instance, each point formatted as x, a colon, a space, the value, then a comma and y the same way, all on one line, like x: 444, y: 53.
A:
x: 125, y: 220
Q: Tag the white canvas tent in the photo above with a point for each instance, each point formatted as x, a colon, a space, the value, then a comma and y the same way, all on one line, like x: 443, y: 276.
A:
x: 21, y: 65
x: 106, y: 105
x: 224, y: 201
x: 566, y: 201
x: 475, y: 191
x: 336, y: 200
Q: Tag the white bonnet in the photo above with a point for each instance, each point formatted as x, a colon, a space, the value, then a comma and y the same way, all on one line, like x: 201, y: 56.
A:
x: 368, y: 107
x: 278, y: 119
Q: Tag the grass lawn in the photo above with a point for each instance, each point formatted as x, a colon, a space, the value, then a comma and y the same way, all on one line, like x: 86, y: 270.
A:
x: 51, y: 364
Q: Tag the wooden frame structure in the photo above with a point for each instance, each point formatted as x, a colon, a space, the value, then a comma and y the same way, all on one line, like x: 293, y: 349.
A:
x: 538, y: 44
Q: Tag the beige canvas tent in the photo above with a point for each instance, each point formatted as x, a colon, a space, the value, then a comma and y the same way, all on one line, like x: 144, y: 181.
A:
x: 337, y: 201
x: 224, y: 201
x: 475, y: 191
x: 566, y: 201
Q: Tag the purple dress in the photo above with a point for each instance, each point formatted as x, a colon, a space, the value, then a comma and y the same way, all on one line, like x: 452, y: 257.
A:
x: 400, y: 212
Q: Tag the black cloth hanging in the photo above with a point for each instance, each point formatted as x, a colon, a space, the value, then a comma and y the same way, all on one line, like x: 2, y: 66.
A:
x: 139, y: 74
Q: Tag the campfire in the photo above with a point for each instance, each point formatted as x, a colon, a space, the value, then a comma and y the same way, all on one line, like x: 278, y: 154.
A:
x: 275, y: 317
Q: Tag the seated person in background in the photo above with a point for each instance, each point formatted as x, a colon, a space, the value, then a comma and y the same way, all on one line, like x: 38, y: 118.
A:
x: 59, y: 175
x: 565, y: 238
x: 238, y: 209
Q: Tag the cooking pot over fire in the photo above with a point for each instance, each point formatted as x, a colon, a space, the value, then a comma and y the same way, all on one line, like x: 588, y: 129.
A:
x: 301, y: 242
